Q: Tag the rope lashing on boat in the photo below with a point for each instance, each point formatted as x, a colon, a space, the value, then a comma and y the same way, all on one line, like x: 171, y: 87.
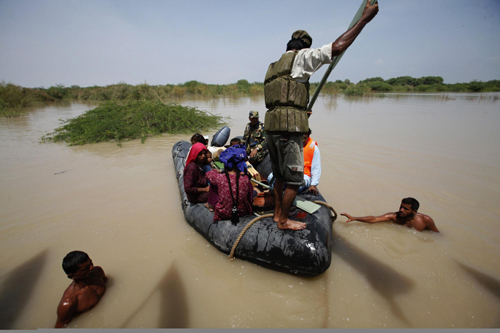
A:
x: 231, y: 255
x: 237, y: 241
x: 328, y: 206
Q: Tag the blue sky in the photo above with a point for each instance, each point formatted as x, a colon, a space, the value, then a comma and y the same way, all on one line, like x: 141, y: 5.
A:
x: 86, y: 43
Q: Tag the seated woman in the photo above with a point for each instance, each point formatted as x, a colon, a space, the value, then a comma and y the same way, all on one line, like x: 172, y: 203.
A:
x: 232, y: 184
x: 195, y: 182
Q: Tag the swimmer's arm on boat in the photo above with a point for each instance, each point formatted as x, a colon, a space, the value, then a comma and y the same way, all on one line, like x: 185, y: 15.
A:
x: 371, y: 219
x: 65, y: 311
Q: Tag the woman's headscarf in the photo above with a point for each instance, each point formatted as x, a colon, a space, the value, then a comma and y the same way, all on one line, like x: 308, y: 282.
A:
x: 234, y: 156
x: 195, y: 150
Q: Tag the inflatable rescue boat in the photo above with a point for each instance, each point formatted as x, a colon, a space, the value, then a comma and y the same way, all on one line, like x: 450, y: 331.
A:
x: 304, y: 253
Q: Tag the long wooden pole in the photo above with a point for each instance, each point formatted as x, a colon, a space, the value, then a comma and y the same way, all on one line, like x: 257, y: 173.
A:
x: 337, y: 58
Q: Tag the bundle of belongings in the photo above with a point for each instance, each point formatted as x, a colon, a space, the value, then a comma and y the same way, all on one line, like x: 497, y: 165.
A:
x: 263, y: 200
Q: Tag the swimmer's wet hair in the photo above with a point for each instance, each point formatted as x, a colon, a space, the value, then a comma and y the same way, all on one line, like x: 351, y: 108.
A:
x: 411, y: 201
x: 72, y: 260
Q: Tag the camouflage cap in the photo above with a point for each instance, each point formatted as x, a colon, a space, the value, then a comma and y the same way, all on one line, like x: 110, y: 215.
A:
x: 304, y: 36
x: 253, y: 114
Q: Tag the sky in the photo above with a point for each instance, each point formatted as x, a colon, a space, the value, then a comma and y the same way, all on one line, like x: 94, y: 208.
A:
x: 101, y: 42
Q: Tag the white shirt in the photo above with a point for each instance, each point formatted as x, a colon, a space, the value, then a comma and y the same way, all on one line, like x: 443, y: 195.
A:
x: 309, y: 61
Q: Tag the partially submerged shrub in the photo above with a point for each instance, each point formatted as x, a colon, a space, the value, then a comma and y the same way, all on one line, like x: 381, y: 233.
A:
x: 135, y: 119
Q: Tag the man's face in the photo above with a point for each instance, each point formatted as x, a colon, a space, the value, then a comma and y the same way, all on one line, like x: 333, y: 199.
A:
x: 84, y: 270
x: 254, y: 121
x: 405, y: 210
x: 305, y: 138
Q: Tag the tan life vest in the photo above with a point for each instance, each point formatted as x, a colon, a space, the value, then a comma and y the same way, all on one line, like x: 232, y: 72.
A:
x: 286, y: 98
x: 308, y: 156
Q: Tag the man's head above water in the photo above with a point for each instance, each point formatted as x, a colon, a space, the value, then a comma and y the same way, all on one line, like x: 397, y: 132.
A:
x: 409, y: 206
x: 74, y: 262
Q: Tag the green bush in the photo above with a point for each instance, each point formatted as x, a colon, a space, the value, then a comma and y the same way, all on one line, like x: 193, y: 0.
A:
x: 135, y: 119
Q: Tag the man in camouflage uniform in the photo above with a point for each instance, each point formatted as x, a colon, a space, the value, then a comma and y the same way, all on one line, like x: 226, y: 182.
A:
x: 286, y: 93
x: 255, y: 139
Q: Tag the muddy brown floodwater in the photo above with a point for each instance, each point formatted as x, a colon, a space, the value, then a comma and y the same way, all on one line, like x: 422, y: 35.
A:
x: 121, y: 205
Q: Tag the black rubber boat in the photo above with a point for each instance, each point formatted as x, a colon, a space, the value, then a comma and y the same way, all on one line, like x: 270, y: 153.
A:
x: 304, y: 253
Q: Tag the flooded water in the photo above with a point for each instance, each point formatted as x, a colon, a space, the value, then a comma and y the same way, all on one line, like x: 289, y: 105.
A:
x: 121, y: 206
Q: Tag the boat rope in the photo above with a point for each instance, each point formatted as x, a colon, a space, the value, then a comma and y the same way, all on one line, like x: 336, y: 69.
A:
x: 237, y: 241
x: 328, y: 206
x: 231, y: 255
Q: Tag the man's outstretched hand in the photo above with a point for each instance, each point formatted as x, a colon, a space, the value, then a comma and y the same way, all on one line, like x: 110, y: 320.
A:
x: 349, y: 217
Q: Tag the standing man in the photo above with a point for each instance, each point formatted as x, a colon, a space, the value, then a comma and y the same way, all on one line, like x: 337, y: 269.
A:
x: 286, y: 90
x: 255, y: 139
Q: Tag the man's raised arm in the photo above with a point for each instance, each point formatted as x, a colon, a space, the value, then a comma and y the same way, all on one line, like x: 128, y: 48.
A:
x: 348, y: 37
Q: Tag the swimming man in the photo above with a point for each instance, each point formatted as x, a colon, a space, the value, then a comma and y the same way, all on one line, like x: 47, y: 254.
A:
x: 407, y: 216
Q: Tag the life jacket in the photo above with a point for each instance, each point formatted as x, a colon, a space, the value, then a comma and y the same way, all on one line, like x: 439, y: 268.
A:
x: 286, y: 98
x: 308, y: 156
x: 279, y: 87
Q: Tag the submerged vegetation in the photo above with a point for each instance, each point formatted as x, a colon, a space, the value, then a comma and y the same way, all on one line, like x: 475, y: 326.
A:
x: 13, y: 99
x: 132, y: 120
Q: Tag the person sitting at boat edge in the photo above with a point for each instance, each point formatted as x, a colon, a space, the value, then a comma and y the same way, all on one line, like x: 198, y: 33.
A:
x: 86, y: 290
x: 233, y: 183
x: 312, y: 165
x: 407, y: 216
x: 195, y: 182
x: 254, y: 138
x: 197, y: 137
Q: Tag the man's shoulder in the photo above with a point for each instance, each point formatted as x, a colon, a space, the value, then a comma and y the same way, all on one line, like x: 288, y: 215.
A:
x: 424, y: 217
x: 69, y: 295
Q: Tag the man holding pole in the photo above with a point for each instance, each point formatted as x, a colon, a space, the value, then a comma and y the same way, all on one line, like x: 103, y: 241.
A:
x: 286, y: 90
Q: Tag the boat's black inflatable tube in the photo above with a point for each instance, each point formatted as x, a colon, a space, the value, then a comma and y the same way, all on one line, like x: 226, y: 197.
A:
x: 220, y: 138
x: 305, y: 253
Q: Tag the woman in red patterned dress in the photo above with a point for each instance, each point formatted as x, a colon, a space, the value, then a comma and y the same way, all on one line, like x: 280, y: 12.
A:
x: 234, y: 159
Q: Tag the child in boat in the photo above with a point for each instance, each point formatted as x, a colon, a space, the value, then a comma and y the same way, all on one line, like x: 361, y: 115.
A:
x: 195, y: 182
x: 197, y: 137
x: 208, y: 163
x: 87, y: 288
x: 234, y: 185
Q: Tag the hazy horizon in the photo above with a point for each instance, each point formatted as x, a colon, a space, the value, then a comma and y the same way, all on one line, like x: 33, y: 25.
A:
x: 86, y: 43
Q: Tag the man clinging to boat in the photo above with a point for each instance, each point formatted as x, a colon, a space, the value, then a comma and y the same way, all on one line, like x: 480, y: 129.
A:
x: 286, y: 90
x: 407, y: 216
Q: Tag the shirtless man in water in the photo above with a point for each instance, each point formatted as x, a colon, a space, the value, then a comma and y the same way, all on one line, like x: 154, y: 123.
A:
x: 87, y: 288
x: 407, y: 216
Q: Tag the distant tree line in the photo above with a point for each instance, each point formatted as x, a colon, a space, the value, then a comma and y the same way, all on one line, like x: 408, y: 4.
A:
x: 14, y: 98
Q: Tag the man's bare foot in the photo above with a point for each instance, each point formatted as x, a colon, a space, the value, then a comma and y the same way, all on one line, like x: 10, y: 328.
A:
x: 291, y: 225
x: 276, y: 219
